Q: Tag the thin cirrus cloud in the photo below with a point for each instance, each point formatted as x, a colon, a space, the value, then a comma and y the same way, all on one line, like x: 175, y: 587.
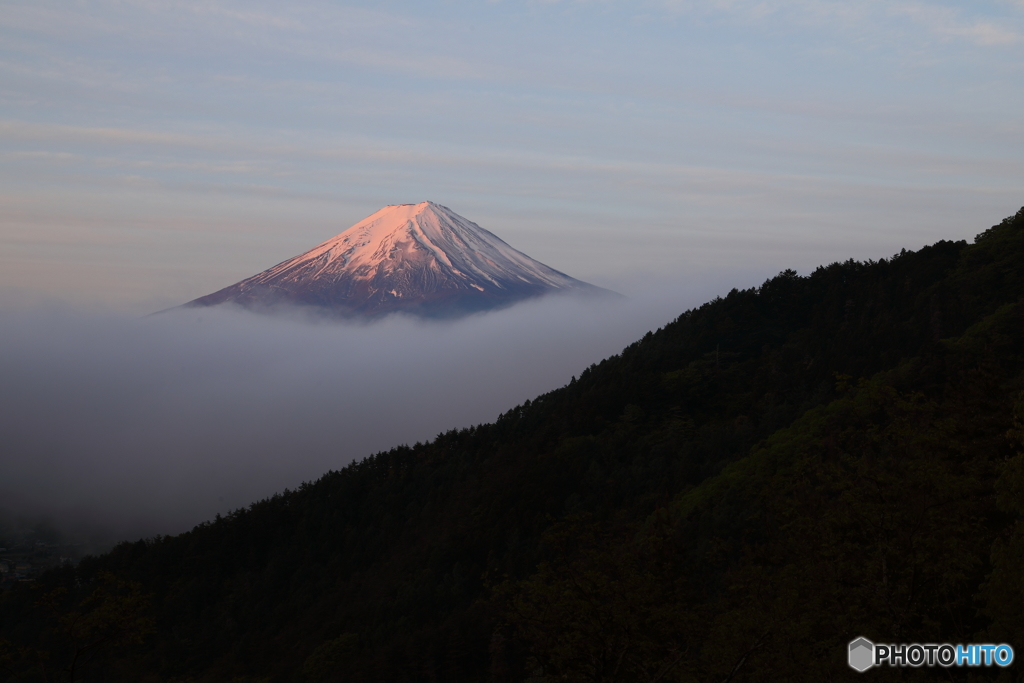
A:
x: 951, y: 22
x: 970, y: 21
x: 232, y: 142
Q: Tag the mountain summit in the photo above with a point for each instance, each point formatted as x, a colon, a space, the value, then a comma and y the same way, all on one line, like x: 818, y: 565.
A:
x: 422, y: 258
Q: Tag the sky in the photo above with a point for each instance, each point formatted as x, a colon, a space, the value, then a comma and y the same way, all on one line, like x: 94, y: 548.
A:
x: 155, y: 151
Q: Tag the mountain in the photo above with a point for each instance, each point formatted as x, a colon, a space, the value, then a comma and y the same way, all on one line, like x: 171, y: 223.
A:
x: 423, y: 259
x: 734, y: 497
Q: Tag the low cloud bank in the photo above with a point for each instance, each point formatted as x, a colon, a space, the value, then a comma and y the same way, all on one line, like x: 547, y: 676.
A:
x: 117, y: 428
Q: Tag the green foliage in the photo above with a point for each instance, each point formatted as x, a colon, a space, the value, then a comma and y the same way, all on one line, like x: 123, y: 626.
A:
x: 1003, y: 593
x: 78, y: 625
x: 865, y: 515
x: 331, y: 660
x: 598, y: 612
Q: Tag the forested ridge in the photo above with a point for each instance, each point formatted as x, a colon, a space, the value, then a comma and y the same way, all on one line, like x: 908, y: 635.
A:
x: 734, y: 497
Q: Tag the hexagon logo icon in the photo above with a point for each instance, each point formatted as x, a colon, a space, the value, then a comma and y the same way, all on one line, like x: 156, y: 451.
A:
x: 862, y: 654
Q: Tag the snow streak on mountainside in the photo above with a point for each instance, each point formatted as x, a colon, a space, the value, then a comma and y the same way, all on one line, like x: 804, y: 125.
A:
x: 416, y: 258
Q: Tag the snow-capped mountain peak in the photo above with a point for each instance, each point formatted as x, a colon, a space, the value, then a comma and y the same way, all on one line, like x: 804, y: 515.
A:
x: 421, y: 258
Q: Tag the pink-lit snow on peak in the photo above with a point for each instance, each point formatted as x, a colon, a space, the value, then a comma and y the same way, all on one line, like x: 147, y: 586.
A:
x: 421, y: 257
x: 397, y: 234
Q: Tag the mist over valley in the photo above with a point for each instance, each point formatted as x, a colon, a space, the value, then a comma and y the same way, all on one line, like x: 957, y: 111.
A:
x: 119, y: 427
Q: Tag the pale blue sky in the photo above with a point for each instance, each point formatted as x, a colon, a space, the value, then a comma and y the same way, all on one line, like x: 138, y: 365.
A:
x: 152, y: 152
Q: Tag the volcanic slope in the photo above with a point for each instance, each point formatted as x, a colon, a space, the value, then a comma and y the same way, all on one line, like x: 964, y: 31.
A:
x: 422, y: 259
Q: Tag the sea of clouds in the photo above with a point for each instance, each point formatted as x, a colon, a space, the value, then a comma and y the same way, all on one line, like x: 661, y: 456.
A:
x: 120, y: 427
